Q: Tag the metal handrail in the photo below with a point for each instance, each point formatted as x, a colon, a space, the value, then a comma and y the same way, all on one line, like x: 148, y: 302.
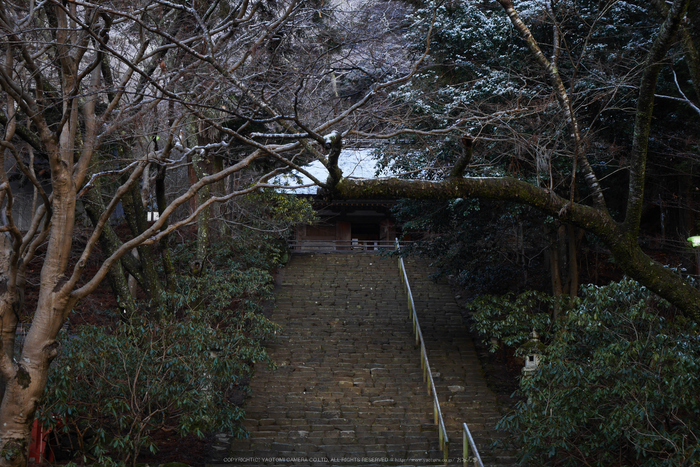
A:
x: 467, y: 441
x: 425, y: 365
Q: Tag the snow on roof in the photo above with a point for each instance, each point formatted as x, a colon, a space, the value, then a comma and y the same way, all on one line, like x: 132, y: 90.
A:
x: 354, y: 163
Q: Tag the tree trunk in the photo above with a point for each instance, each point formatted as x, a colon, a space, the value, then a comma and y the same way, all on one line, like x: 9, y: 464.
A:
x: 109, y: 243
x: 24, y: 390
x: 168, y: 267
x: 136, y: 218
x: 554, y: 271
x: 28, y: 374
x: 219, y: 189
x: 203, y: 234
x: 562, y: 251
x: 572, y: 242
x: 11, y: 302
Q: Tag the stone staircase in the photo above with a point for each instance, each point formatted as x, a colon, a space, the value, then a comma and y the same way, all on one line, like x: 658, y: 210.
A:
x: 348, y: 389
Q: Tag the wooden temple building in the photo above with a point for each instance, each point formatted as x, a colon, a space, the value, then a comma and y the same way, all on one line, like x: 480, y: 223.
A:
x: 348, y: 225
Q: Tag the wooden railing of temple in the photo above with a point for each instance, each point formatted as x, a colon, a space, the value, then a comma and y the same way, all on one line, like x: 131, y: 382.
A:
x: 340, y: 245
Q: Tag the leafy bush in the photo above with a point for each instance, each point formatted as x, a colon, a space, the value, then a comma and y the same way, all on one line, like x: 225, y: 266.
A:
x: 618, y: 386
x: 172, y: 368
x: 511, y: 319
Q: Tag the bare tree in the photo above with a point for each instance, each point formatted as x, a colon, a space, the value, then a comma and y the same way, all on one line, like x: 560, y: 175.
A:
x: 113, y: 96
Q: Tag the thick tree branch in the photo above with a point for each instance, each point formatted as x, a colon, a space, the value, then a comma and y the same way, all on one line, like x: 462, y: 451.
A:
x: 498, y: 188
x: 23, y: 132
x: 463, y: 162
x: 625, y: 250
x: 334, y: 142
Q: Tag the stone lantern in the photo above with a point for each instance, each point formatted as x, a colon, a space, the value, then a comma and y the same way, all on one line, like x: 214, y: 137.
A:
x: 533, y: 351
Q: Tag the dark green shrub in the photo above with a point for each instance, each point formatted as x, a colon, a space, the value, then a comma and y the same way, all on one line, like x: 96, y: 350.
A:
x: 618, y: 386
x: 172, y: 368
x: 511, y: 319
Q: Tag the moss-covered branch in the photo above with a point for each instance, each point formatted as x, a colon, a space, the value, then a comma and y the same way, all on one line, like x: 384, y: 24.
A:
x: 623, y: 246
x: 497, y: 188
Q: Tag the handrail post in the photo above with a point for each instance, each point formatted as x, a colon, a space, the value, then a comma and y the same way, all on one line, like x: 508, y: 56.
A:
x: 465, y: 449
x: 467, y: 440
x: 415, y: 328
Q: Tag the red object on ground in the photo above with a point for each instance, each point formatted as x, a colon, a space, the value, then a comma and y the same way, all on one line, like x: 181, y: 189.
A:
x: 39, y: 448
